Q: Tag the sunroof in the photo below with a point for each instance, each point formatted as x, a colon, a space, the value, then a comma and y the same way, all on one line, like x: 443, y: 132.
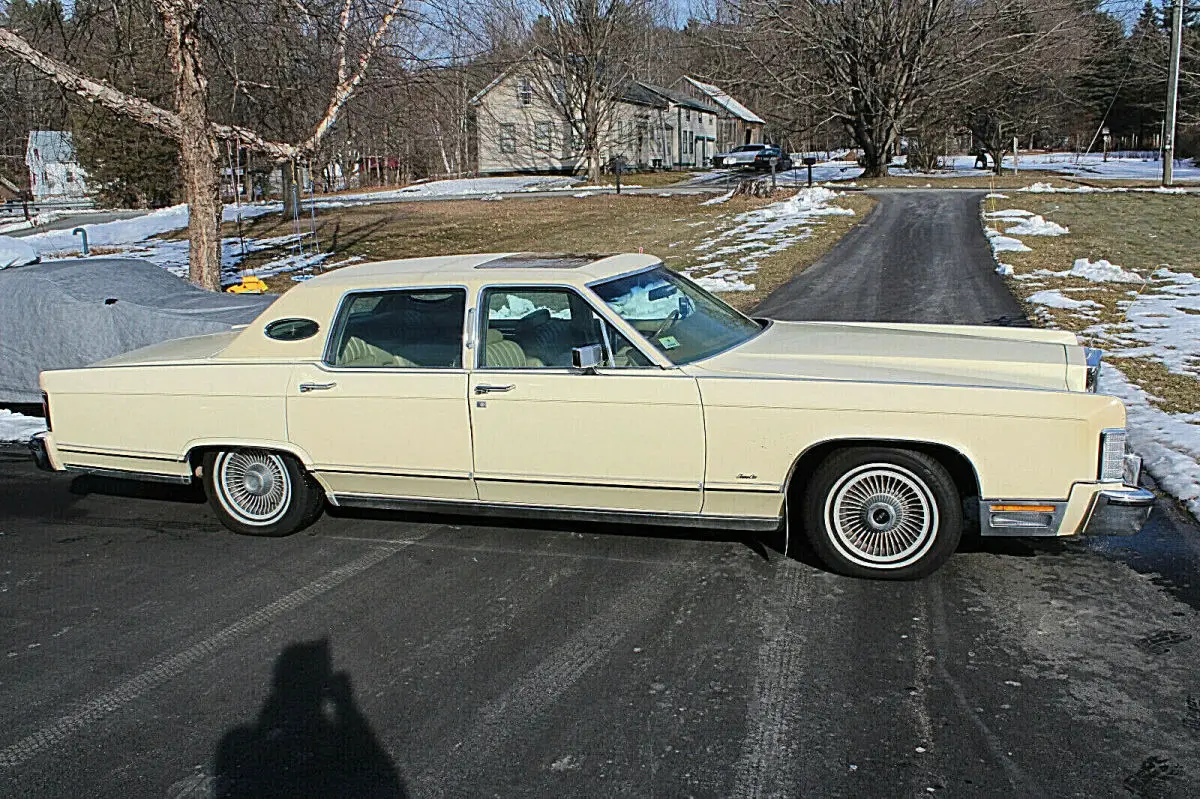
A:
x: 534, y: 260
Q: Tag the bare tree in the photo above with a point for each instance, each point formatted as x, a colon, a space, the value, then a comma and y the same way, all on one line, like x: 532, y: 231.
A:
x: 585, y: 50
x: 191, y: 125
x: 876, y: 67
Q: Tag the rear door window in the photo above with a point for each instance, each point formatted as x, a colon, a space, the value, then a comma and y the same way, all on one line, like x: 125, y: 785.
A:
x: 402, y: 329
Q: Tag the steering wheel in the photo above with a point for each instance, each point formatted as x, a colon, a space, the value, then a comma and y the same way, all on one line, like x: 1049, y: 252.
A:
x: 667, y: 324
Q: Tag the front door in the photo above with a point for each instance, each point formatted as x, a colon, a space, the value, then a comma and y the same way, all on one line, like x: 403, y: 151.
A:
x: 385, y: 414
x: 629, y: 437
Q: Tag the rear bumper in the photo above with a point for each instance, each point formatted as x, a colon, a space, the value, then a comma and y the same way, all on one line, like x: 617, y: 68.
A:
x: 41, y: 447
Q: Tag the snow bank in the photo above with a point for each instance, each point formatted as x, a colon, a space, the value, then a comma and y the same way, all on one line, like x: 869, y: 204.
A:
x: 1101, y: 271
x: 457, y: 187
x: 15, y: 427
x: 1169, y: 443
x: 16, y: 252
x: 1037, y: 226
x: 1053, y: 298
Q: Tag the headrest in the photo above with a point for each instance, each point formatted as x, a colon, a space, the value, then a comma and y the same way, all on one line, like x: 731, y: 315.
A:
x: 536, y: 319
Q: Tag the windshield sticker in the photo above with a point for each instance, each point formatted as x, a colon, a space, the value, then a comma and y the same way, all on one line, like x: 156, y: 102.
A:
x: 669, y: 342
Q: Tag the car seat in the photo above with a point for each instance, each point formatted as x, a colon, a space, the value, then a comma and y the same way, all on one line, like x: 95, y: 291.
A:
x: 360, y: 353
x: 502, y: 353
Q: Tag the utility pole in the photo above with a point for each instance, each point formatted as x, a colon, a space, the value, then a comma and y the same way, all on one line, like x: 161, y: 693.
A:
x: 1172, y: 93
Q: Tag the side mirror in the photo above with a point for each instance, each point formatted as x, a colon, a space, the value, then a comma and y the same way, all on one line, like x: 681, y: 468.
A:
x: 587, y: 358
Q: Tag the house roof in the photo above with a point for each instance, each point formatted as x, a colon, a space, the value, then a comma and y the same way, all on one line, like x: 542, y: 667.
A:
x: 679, y: 98
x: 722, y: 98
x: 640, y: 94
x: 53, y: 146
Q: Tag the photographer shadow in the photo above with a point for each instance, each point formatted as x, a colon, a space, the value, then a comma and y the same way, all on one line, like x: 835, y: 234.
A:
x: 310, y: 739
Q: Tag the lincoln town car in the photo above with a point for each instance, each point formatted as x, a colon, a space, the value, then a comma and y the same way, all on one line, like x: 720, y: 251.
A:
x: 607, y: 387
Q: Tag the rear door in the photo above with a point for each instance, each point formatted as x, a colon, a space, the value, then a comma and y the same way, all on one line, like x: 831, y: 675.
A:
x: 385, y: 413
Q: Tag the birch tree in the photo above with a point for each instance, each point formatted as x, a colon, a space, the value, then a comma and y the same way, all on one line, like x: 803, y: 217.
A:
x: 191, y: 123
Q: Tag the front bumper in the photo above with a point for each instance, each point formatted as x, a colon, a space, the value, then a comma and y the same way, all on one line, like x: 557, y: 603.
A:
x: 1118, y: 512
x: 1091, y: 509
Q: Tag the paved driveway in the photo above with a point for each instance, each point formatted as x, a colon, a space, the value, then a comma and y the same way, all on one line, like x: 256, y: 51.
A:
x: 146, y: 652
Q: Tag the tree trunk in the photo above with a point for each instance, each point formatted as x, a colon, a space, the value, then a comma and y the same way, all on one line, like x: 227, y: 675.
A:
x: 291, y: 193
x: 197, y: 164
x: 197, y: 146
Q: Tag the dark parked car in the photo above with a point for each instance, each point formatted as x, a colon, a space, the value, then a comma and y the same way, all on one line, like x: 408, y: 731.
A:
x: 754, y: 156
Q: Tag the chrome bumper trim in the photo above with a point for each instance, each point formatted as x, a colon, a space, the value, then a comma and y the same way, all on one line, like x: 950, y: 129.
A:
x: 127, y: 474
x: 41, y: 456
x: 1118, y: 512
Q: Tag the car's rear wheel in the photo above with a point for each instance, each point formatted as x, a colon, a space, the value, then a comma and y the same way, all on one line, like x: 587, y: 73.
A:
x: 260, y: 492
x: 883, y: 513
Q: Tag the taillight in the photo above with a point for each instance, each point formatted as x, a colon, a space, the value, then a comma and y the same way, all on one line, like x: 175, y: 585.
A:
x: 46, y: 409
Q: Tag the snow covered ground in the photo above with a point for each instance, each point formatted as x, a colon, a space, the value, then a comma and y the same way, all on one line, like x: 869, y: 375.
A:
x: 731, y: 253
x: 1161, y: 322
x: 1091, y: 166
x: 458, y: 187
x: 15, y: 427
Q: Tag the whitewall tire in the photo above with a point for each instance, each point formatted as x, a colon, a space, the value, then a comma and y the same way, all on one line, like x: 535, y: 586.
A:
x: 260, y: 492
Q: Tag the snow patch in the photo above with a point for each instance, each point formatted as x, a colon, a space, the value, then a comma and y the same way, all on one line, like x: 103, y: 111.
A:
x: 1101, y: 271
x: 1053, y: 298
x: 1004, y: 270
x: 736, y: 251
x: 1009, y: 213
x: 15, y: 427
x: 1037, y: 226
x: 724, y: 198
x: 1169, y: 443
x: 1001, y: 243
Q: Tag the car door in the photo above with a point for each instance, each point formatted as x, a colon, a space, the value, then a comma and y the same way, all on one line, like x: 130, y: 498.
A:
x: 385, y: 413
x: 629, y: 436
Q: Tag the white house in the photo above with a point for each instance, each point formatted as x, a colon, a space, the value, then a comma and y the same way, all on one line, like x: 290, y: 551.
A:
x: 651, y: 127
x: 54, y: 174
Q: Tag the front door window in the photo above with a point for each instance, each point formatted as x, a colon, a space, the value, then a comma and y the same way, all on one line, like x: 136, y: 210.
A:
x: 537, y: 328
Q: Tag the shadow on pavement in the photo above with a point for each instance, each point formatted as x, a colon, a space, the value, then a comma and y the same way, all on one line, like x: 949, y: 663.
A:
x: 310, y: 739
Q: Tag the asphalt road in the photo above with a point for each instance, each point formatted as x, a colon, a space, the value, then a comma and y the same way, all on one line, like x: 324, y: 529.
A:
x: 146, y: 652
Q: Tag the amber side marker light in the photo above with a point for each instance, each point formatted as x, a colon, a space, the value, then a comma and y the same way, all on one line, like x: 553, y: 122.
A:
x: 1020, y: 508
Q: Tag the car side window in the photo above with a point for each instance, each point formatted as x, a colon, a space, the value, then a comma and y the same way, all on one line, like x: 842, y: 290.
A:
x: 536, y: 328
x: 414, y: 329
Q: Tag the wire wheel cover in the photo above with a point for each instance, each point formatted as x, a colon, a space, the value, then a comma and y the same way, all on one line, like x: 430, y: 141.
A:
x: 882, y: 515
x: 253, y: 485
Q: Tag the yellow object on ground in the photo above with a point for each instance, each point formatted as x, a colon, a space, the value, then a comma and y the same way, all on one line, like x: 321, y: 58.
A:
x: 249, y: 285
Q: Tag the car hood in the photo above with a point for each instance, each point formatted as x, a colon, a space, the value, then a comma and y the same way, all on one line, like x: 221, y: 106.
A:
x: 904, y: 353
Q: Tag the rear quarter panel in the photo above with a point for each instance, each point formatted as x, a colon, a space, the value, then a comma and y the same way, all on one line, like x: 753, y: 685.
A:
x: 160, y: 411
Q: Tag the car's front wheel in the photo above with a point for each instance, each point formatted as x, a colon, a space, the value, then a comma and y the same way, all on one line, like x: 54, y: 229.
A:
x: 259, y: 492
x: 883, y: 513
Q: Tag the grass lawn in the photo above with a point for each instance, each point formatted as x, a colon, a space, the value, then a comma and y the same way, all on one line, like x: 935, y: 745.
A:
x: 670, y: 227
x: 1140, y: 233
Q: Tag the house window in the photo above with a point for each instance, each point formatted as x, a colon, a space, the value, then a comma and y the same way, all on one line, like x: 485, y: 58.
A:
x: 543, y: 133
x: 525, y: 91
x: 508, y: 138
x: 560, y: 90
x: 687, y: 114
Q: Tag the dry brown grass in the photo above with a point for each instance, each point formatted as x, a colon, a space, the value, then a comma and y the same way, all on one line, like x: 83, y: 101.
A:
x: 670, y: 227
x: 1140, y: 232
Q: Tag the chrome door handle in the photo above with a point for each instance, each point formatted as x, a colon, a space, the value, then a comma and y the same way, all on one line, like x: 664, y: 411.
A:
x: 307, y: 387
x: 484, y: 389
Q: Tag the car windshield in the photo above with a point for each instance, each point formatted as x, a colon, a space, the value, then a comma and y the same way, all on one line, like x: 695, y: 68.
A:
x: 682, y: 320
